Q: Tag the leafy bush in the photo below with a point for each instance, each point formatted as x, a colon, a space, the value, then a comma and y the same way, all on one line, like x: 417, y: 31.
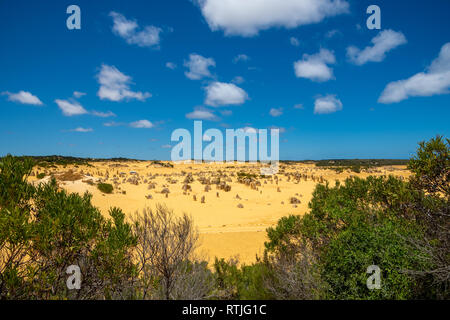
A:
x: 402, y: 227
x: 431, y: 166
x: 105, y: 187
x: 361, y: 223
x: 281, y: 235
x: 245, y: 282
x: 43, y: 230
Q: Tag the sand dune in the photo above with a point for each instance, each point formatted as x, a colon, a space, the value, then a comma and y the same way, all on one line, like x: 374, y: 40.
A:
x: 232, y: 223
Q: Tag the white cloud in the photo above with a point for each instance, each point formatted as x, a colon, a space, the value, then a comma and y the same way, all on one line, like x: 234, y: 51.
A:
x: 221, y: 94
x: 142, y: 124
x: 115, y: 86
x: 299, y: 106
x: 433, y: 81
x: 103, y: 114
x: 384, y: 42
x: 171, y: 65
x: 80, y: 129
x: 315, y: 67
x: 241, y: 57
x: 78, y: 94
x: 274, y: 112
x: 198, y: 67
x: 201, y: 114
x: 294, y: 41
x: 128, y: 30
x: 23, y: 97
x: 166, y: 146
x: 70, y: 107
x: 247, y: 18
x: 327, y: 104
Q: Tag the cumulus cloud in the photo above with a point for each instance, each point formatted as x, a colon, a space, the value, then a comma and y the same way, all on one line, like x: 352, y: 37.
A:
x: 247, y: 18
x: 70, y: 107
x: 198, y: 67
x: 23, y: 97
x: 315, y: 67
x: 222, y: 94
x: 327, y: 104
x: 274, y: 112
x: 141, y: 124
x: 201, y: 114
x: 241, y: 57
x: 294, y: 41
x: 80, y: 129
x: 115, y: 86
x: 129, y: 30
x: 384, y: 42
x: 433, y: 81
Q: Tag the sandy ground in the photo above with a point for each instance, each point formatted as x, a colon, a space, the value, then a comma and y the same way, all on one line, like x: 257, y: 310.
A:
x: 226, y: 230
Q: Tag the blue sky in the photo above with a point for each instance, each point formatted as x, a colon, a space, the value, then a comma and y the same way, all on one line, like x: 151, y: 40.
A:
x: 137, y: 70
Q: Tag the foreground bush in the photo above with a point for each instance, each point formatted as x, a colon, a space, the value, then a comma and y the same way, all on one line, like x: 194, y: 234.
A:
x: 402, y: 227
x: 44, y: 230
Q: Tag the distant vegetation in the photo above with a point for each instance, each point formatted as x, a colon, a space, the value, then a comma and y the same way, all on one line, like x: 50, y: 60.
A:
x: 356, y: 165
x: 361, y: 162
x: 403, y: 227
x: 246, y: 175
x: 53, y: 161
x: 162, y: 164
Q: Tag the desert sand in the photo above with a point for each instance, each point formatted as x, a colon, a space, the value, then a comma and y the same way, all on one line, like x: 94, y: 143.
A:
x: 231, y: 213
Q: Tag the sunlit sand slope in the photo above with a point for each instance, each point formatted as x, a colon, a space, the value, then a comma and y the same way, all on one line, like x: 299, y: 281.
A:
x: 231, y: 210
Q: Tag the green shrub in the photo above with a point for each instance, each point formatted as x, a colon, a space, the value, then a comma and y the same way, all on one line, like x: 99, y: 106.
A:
x: 105, y: 187
x: 361, y: 223
x: 431, y: 166
x: 280, y: 235
x: 43, y: 230
x: 244, y: 282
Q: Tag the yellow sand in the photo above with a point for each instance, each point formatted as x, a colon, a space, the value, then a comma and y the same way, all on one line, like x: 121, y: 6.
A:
x: 225, y: 230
